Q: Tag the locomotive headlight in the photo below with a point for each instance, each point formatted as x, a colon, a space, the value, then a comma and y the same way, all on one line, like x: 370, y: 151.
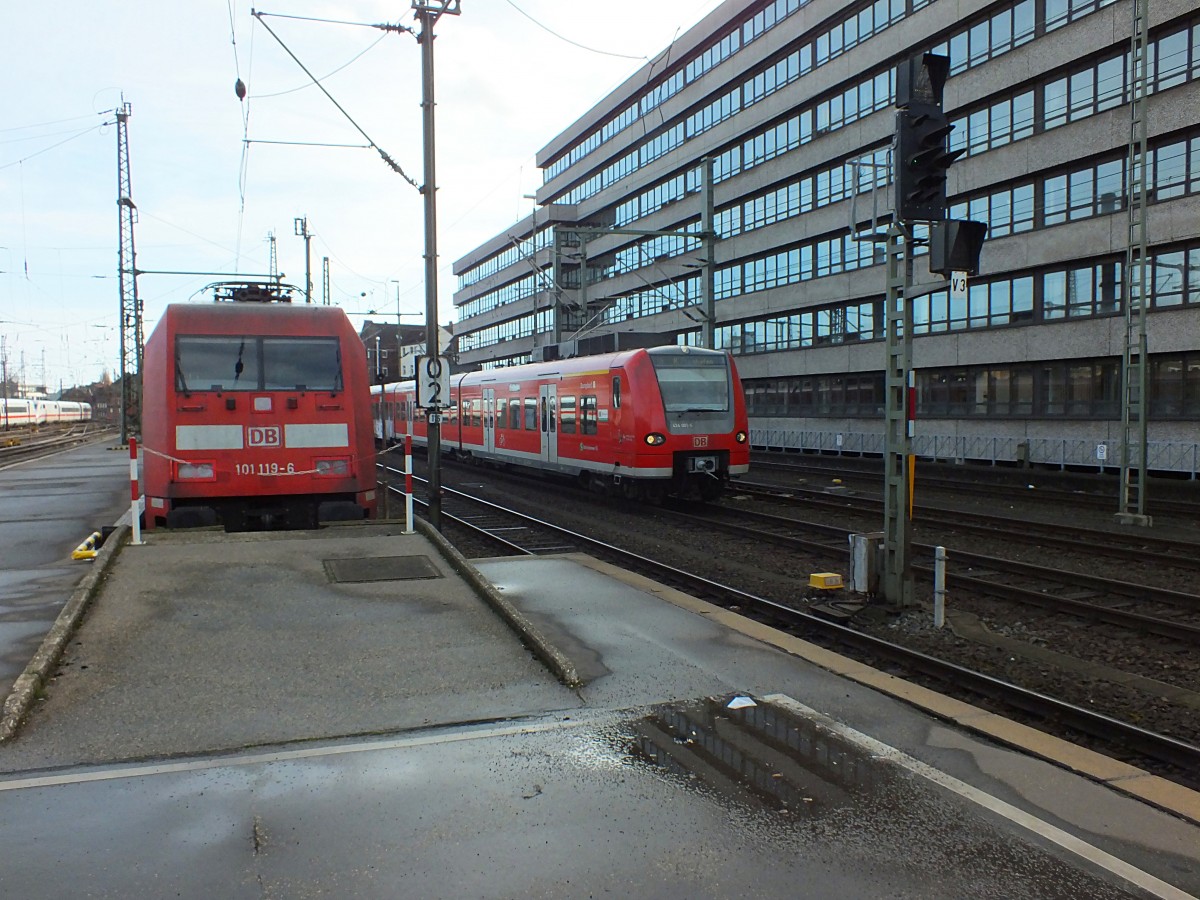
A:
x: 654, y: 439
x: 740, y: 437
x: 195, y: 471
x: 332, y: 468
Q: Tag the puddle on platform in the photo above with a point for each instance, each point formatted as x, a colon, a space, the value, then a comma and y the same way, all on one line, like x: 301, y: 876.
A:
x: 790, y: 785
x: 760, y: 753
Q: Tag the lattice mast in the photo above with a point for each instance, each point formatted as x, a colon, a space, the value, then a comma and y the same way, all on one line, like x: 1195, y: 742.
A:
x: 1134, y: 365
x: 274, y: 270
x: 131, y: 305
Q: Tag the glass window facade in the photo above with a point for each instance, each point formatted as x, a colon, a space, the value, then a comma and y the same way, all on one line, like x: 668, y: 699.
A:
x: 1065, y: 389
x: 774, y: 271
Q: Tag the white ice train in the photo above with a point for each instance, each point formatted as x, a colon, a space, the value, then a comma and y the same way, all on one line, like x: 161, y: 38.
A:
x: 16, y: 412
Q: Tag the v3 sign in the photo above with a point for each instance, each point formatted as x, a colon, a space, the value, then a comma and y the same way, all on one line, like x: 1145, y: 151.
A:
x: 958, y: 286
x: 433, y: 382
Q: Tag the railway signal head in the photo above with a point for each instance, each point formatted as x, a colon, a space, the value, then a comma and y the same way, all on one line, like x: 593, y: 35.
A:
x: 955, y: 245
x: 922, y: 159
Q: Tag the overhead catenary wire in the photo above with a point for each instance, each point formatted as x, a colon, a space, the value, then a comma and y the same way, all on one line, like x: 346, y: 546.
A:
x: 45, y: 135
x: 392, y: 164
x: 549, y: 30
x: 327, y: 75
x: 307, y: 144
x: 658, y: 289
x: 244, y: 163
x: 74, y: 136
x: 384, y: 26
x: 103, y: 112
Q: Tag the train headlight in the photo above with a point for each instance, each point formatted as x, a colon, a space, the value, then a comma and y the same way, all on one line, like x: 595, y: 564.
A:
x: 195, y: 471
x: 740, y: 437
x: 332, y: 468
x: 654, y: 439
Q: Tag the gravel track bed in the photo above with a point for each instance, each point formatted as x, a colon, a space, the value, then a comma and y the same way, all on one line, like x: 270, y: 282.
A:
x: 1151, y: 573
x: 1082, y: 662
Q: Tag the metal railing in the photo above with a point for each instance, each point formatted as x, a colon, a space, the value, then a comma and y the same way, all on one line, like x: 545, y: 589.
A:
x: 1162, y: 456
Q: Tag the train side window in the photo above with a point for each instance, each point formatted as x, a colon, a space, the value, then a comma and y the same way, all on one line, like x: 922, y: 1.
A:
x: 587, y: 414
x: 544, y: 416
x: 566, y: 415
x: 616, y: 393
x: 514, y: 413
x: 531, y: 418
x: 476, y: 413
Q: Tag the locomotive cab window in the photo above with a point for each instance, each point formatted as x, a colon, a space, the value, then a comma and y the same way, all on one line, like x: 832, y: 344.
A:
x: 256, y: 364
x: 692, y: 382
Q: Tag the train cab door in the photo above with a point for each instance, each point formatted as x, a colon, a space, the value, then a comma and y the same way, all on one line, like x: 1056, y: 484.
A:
x: 489, y: 420
x: 548, y: 421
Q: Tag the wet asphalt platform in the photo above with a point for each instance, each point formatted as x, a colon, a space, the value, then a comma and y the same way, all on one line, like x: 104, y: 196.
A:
x: 359, y: 712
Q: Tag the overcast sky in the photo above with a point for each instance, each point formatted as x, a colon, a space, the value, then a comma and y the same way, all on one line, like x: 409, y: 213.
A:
x: 511, y: 74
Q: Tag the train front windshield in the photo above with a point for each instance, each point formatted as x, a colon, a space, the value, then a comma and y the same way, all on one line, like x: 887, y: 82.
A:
x: 693, y: 382
x: 257, y: 364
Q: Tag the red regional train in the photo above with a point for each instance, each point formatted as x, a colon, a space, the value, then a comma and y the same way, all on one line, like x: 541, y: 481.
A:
x: 643, y: 424
x: 256, y: 415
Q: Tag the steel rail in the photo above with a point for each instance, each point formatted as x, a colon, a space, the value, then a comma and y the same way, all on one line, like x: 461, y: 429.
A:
x: 1161, y: 748
x: 1186, y: 554
x: 1139, y: 622
x: 997, y: 488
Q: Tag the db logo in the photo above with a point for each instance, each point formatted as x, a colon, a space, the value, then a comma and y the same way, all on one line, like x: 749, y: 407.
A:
x: 263, y: 437
x: 700, y: 440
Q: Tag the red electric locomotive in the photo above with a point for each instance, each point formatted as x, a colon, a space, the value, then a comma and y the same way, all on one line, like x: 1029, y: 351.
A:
x: 643, y: 423
x: 256, y: 414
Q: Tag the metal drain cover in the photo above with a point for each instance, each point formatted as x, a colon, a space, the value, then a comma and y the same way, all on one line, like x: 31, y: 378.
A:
x: 380, y: 568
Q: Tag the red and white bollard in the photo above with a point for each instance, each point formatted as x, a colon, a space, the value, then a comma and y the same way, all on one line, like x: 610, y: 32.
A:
x: 134, y: 512
x: 408, y: 501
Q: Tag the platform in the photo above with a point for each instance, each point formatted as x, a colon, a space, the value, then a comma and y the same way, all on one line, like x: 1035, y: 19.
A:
x: 362, y: 712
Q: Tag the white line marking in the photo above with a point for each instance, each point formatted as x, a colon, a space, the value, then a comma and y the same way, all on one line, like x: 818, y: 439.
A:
x: 1067, y: 841
x: 199, y: 765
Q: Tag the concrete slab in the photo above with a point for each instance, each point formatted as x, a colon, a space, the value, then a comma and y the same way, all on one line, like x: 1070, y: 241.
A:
x: 395, y: 737
x: 205, y: 641
x: 680, y: 800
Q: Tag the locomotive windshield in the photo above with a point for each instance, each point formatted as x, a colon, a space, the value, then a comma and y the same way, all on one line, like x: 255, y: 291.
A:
x: 229, y: 363
x: 693, y: 382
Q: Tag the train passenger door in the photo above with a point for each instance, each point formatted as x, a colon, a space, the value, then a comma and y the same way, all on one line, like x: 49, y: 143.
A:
x: 387, y: 417
x: 489, y: 419
x: 548, y: 421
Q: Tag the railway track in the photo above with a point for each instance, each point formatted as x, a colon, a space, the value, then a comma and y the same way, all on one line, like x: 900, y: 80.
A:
x: 1004, y: 487
x: 516, y: 532
x: 1070, y: 593
x: 1134, y: 545
x: 18, y: 446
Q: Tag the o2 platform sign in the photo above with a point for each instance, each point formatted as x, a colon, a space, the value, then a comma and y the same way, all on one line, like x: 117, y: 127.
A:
x: 433, y: 382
